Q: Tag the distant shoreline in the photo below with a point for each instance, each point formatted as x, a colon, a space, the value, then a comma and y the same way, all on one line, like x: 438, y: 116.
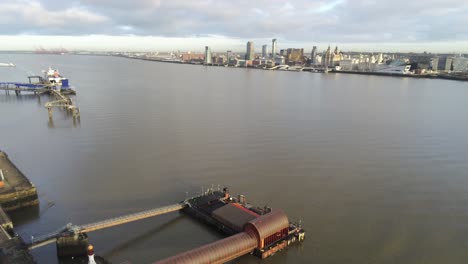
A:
x: 420, y: 76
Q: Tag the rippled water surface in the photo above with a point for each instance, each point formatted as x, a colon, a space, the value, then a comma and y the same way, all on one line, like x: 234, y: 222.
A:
x: 376, y: 167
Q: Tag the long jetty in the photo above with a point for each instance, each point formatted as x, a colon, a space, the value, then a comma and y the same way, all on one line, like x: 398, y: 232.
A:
x: 18, y: 87
x: 259, y: 231
x: 73, y: 231
x: 130, y: 218
x: 40, y: 87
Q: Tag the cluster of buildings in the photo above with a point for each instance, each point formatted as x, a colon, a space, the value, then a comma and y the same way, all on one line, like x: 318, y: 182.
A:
x: 332, y: 59
x: 448, y: 63
x: 289, y: 56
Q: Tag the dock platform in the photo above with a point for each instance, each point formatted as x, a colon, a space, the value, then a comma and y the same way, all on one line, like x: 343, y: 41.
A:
x: 60, y: 94
x: 261, y: 232
x: 12, y: 247
x: 16, y: 191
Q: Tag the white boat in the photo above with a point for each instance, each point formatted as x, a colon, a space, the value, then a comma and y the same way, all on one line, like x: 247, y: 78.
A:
x: 393, y: 68
x: 53, y: 76
x: 295, y: 68
x: 7, y: 65
x: 282, y: 67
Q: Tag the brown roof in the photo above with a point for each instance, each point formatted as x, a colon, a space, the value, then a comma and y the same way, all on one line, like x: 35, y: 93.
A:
x: 233, y: 216
x: 217, y: 252
x: 271, y: 223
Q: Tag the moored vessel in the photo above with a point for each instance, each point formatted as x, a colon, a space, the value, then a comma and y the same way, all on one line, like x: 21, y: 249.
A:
x: 54, y: 77
x: 7, y: 64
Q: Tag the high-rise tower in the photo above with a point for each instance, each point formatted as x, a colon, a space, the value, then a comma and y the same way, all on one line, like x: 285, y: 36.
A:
x: 250, y: 55
x: 264, y: 51
x: 273, y: 48
x: 208, y: 55
x: 327, y: 57
x: 228, y: 56
x: 313, y: 55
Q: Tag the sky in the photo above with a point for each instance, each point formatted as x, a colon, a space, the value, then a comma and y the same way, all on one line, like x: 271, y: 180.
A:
x: 165, y: 25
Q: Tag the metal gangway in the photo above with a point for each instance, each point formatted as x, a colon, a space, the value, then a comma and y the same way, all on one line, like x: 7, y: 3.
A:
x: 71, y: 229
x: 19, y: 87
x: 62, y: 100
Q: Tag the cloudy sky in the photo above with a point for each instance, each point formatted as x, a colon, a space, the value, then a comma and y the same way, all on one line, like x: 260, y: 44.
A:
x: 415, y: 25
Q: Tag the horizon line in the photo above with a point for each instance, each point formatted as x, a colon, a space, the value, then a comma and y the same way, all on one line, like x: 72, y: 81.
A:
x: 134, y: 43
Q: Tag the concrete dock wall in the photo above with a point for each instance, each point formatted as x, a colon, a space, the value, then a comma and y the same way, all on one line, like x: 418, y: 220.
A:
x: 16, y: 190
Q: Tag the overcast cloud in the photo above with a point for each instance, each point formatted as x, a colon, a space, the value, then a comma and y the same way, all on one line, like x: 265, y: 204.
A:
x: 301, y: 21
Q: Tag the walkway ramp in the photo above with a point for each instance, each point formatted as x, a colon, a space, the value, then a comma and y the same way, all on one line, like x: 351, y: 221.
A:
x: 70, y: 229
x: 130, y: 218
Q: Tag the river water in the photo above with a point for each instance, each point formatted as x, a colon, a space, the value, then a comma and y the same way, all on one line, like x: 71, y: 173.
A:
x: 376, y: 167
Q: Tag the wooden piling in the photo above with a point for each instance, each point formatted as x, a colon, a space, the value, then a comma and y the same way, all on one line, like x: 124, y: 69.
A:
x: 49, y: 110
x: 72, y: 246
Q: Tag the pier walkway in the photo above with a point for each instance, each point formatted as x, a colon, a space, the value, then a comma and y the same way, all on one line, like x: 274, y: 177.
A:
x: 24, y: 87
x: 70, y: 229
x: 60, y: 95
x: 130, y: 218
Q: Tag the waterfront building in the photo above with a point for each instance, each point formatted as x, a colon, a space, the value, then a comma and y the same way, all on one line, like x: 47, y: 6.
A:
x: 313, y: 55
x: 434, y: 64
x: 380, y: 59
x: 261, y: 63
x: 269, y: 63
x: 318, y: 59
x: 295, y: 56
x: 446, y: 63
x: 279, y: 60
x: 346, y: 65
x: 193, y: 57
x: 441, y: 63
x: 420, y: 60
x: 352, y: 64
x: 264, y: 51
x: 273, y: 48
x: 250, y: 55
x: 244, y: 63
x: 449, y: 64
x: 457, y: 64
x: 208, y: 57
x: 228, y: 56
x: 326, y: 58
x: 461, y: 64
x: 221, y: 60
x: 234, y: 61
x: 336, y: 57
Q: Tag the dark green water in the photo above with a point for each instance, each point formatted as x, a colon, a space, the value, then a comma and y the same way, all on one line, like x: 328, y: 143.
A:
x: 376, y: 167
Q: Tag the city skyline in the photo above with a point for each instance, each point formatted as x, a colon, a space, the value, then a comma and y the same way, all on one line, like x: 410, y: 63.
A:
x: 197, y: 44
x: 148, y: 25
